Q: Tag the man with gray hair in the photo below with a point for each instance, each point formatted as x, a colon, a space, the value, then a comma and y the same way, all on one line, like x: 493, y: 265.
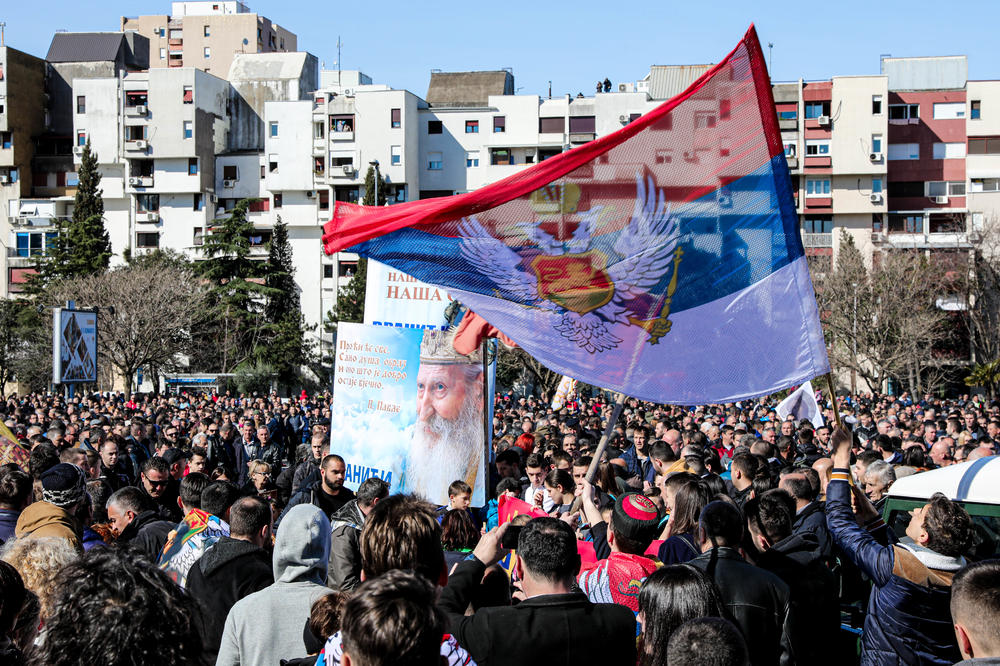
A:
x: 878, y: 477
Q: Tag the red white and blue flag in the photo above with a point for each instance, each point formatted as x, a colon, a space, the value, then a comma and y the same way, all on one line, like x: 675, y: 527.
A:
x: 663, y: 260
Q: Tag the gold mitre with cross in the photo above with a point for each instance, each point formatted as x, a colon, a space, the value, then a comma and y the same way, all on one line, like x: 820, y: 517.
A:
x: 438, y: 348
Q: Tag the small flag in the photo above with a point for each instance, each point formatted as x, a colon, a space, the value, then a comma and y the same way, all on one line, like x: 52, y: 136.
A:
x: 801, y: 403
x: 566, y: 386
x: 662, y: 260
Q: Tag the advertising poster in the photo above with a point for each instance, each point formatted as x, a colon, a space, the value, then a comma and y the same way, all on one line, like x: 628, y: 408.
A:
x: 408, y: 409
x: 74, y: 346
x: 393, y: 298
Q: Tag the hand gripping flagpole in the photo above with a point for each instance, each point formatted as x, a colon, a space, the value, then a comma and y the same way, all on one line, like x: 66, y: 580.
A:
x: 833, y: 398
x: 603, y: 444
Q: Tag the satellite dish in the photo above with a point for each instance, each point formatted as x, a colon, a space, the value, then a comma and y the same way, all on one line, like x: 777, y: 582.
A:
x: 245, y: 41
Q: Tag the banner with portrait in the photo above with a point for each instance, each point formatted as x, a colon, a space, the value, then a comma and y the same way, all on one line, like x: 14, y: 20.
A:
x: 409, y: 409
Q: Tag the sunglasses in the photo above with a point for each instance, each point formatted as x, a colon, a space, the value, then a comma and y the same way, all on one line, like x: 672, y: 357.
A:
x: 157, y: 484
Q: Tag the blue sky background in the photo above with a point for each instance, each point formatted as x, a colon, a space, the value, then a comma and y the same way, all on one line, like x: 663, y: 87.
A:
x: 399, y: 42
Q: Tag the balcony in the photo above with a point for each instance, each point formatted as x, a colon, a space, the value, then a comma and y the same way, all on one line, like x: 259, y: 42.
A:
x: 342, y: 171
x: 345, y: 135
x: 788, y: 123
x: 817, y: 240
x: 136, y: 145
x: 151, y: 217
x: 581, y: 137
x: 793, y: 162
x: 140, y: 181
x: 900, y: 240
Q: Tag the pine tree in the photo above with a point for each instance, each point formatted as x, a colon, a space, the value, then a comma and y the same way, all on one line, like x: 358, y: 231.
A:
x: 81, y: 245
x: 286, y: 349
x: 238, y: 292
x: 369, y: 199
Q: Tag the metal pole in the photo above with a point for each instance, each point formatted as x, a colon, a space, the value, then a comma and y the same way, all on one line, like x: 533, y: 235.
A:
x: 854, y: 342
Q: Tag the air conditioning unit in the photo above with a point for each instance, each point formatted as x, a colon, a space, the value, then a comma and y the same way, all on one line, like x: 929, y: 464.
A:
x: 940, y: 200
x: 348, y: 169
x: 875, y: 197
x: 348, y: 92
x: 141, y: 144
x: 78, y: 150
x: 311, y: 194
x: 154, y: 217
x: 875, y: 157
x: 135, y: 180
x: 229, y: 183
x: 623, y: 119
x: 725, y: 201
x: 823, y: 121
x: 141, y: 109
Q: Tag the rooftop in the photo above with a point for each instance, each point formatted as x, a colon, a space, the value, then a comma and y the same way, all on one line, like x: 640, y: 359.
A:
x: 85, y: 46
x: 468, y: 89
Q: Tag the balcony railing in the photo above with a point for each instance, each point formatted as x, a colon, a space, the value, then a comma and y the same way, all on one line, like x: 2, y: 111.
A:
x: 817, y: 240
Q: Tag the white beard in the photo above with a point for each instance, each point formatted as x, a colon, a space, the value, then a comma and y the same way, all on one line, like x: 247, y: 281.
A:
x: 451, y: 451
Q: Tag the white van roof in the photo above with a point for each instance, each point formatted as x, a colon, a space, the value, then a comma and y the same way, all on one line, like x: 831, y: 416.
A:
x: 976, y: 481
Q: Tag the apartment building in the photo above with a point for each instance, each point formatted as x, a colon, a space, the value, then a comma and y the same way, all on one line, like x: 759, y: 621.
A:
x: 207, y: 35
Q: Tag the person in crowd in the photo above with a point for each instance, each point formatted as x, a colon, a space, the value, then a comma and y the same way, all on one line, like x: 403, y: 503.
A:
x: 152, y: 622
x: 344, y: 572
x: 536, y: 469
x: 161, y: 488
x: 308, y: 470
x: 137, y: 524
x: 198, y: 462
x: 176, y: 460
x: 234, y: 567
x: 975, y: 612
x: 459, y: 536
x: 879, y: 477
x: 708, y: 641
x: 111, y: 467
x: 259, y: 479
x: 328, y: 492
x: 757, y: 599
x: 195, y: 534
x: 15, y: 495
x: 561, y: 489
x: 266, y: 626
x: 554, y: 620
x: 38, y: 560
x: 64, y: 494
x: 13, y: 595
x: 393, y: 619
x: 809, y: 515
x: 459, y: 498
x: 908, y: 619
x: 669, y: 597
x: 687, y: 496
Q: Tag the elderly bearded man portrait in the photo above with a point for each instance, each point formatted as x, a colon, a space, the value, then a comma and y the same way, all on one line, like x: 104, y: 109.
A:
x: 447, y: 442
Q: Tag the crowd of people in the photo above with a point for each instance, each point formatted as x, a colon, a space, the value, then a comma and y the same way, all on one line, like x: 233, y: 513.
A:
x: 216, y: 529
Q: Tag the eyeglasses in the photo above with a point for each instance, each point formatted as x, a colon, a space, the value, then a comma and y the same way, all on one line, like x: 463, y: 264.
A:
x: 157, y: 484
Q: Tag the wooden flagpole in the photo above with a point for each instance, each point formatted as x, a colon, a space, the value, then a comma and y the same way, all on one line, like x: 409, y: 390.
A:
x: 603, y: 444
x: 833, y: 398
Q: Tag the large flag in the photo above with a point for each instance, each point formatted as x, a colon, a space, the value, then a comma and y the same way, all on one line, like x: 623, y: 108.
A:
x: 566, y: 386
x: 801, y: 403
x: 662, y: 260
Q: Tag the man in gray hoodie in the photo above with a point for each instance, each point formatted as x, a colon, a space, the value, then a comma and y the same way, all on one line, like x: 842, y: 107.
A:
x: 267, y: 626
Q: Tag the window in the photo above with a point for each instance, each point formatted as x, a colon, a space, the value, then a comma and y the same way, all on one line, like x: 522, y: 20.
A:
x: 147, y: 239
x: 876, y: 186
x: 906, y: 188
x: 192, y: 166
x: 278, y: 199
x: 263, y: 171
x: 949, y: 110
x: 904, y: 151
x: 196, y: 201
x: 502, y: 156
x: 949, y: 151
x: 582, y: 125
x: 790, y: 149
x: 33, y: 243
x: 162, y: 32
x: 551, y: 125
x: 704, y: 119
x: 81, y: 104
x: 435, y: 161
x: 272, y: 163
x: 907, y: 224
x: 176, y: 33
x: 324, y: 199
x: 135, y: 132
x: 817, y: 147
x: 395, y: 118
x: 984, y: 185
x: 319, y: 165
x: 975, y: 109
x: 6, y: 139
x: 135, y: 98
x: 472, y: 127
x: 499, y: 124
x: 163, y: 54
x: 472, y: 159
x: 904, y: 111
x: 72, y: 178
x: 788, y: 114
x: 817, y: 187
x: 318, y: 131
x: 199, y: 237
x: 942, y: 188
x: 876, y: 143
x: 230, y: 172
x: 273, y: 128
x: 328, y: 271
x: 208, y: 51
x: 817, y: 225
x: 434, y: 126
x: 147, y: 203
x: 395, y: 155
x: 207, y: 32
x: 817, y: 109
x: 81, y: 139
x: 188, y: 95
x: 188, y: 129
x: 876, y: 105
x: 343, y: 123
x: 982, y: 145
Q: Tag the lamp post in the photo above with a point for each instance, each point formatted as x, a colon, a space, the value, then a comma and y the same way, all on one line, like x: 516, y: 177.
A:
x: 374, y: 164
x: 854, y: 342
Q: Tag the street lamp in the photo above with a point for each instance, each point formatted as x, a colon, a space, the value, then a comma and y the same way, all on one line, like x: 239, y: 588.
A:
x: 854, y: 342
x: 374, y: 164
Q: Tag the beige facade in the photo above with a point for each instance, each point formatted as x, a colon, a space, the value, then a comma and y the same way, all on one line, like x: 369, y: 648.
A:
x: 208, y: 42
x: 983, y: 170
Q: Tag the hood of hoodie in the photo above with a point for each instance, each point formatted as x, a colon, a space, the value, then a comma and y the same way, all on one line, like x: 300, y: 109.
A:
x: 802, y: 547
x: 224, y: 551
x: 302, y: 549
x: 44, y: 514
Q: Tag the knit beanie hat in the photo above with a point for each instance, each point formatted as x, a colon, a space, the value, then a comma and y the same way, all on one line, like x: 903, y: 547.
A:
x: 635, y: 517
x: 64, y: 485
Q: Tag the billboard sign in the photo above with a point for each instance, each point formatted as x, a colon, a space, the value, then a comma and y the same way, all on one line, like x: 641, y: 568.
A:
x: 74, y: 346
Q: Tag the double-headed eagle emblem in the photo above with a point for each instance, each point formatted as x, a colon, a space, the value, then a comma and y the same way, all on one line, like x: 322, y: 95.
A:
x: 594, y: 292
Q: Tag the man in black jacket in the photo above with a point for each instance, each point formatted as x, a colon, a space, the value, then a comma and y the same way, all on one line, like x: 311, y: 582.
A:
x: 344, y: 572
x: 236, y: 566
x: 555, y: 624
x: 810, y: 517
x: 328, y: 493
x: 795, y: 558
x: 136, y: 522
x: 757, y: 599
